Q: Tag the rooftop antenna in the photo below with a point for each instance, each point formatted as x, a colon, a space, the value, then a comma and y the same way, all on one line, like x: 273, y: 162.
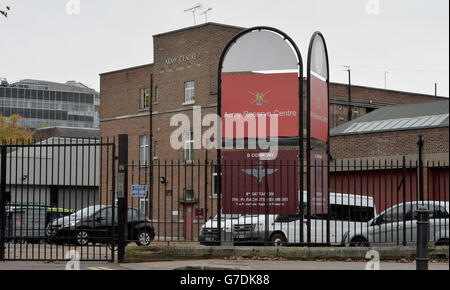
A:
x: 349, y: 70
x: 385, y: 79
x: 193, y: 9
x: 206, y: 14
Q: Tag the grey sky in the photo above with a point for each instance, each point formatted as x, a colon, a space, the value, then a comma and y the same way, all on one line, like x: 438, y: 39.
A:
x: 409, y: 38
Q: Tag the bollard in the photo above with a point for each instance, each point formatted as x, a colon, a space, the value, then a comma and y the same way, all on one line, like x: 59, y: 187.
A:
x: 226, y: 238
x: 422, y: 238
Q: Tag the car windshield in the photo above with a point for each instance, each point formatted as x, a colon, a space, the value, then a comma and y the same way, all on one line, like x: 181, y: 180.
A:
x: 228, y: 217
x: 86, y: 212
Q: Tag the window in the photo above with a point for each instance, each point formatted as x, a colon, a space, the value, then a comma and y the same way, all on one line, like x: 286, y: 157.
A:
x: 189, y: 194
x: 287, y: 218
x: 189, y: 92
x: 351, y: 213
x: 188, y: 146
x: 96, y: 100
x: 155, y: 150
x: 144, y: 150
x: 144, y: 96
x: 356, y: 112
x: 215, y: 183
x: 156, y: 99
x: 143, y: 206
x: 135, y: 216
x: 393, y: 215
x: 341, y: 113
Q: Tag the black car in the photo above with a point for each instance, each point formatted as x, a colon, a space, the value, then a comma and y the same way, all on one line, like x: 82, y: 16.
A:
x: 94, y: 224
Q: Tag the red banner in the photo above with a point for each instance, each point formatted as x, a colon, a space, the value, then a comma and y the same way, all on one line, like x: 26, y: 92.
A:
x: 319, y: 108
x: 249, y: 97
x: 244, y: 178
x: 319, y: 182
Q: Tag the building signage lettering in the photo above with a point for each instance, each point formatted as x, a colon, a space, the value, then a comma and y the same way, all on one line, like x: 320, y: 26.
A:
x: 181, y: 59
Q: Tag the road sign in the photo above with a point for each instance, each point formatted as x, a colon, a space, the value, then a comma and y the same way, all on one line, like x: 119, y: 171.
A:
x: 139, y: 190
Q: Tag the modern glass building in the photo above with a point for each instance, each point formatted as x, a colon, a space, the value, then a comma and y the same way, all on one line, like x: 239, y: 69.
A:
x: 46, y: 103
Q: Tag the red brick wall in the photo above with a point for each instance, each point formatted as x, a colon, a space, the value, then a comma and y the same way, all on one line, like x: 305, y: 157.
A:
x: 396, y: 143
x: 120, y: 91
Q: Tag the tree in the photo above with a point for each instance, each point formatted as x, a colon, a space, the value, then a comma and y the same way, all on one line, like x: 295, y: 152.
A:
x: 12, y: 133
x: 5, y: 12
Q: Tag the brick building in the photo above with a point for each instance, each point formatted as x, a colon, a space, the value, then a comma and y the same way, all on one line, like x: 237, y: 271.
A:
x: 184, y: 75
x: 368, y: 153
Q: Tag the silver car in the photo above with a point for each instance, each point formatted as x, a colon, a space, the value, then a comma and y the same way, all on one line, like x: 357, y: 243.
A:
x: 398, y: 224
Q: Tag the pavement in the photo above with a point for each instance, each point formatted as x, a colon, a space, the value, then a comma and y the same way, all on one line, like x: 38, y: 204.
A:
x: 217, y: 265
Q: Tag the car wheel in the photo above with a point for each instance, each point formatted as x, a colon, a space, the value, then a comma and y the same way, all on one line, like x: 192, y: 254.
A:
x: 278, y: 240
x: 359, y: 242
x: 143, y: 238
x: 82, y: 238
x: 50, y: 231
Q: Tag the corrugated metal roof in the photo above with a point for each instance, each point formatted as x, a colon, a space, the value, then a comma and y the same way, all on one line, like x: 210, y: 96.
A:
x: 398, y: 117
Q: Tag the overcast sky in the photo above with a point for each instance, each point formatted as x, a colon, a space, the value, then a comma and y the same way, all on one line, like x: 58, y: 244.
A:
x: 41, y: 39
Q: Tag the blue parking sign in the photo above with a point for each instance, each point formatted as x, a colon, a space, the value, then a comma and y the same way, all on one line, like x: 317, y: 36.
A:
x: 139, y: 190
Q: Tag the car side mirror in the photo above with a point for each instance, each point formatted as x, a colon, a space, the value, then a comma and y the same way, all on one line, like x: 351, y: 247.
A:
x: 377, y: 222
x: 99, y: 219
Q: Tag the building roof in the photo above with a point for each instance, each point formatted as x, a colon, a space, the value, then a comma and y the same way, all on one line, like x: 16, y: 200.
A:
x: 68, y: 132
x: 70, y: 86
x: 50, y: 164
x: 126, y: 69
x: 398, y: 117
x: 198, y: 26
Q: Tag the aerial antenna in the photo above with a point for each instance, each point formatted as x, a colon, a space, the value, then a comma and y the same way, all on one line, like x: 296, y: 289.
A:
x: 206, y: 14
x: 193, y: 9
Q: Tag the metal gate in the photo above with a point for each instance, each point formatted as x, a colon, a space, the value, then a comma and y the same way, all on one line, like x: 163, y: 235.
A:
x: 57, y: 200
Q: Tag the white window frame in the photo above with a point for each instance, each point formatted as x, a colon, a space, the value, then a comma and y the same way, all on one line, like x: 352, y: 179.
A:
x: 144, y: 207
x: 155, y: 150
x: 143, y: 148
x: 188, y: 141
x: 96, y: 100
x: 356, y: 112
x: 341, y: 113
x: 189, y: 93
x: 143, y: 94
x: 156, y: 100
x: 213, y: 183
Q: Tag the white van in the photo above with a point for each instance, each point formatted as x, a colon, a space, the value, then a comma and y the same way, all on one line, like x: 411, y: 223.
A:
x: 347, y: 212
x: 208, y: 232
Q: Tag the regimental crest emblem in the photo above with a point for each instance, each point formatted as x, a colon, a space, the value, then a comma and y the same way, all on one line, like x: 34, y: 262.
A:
x: 259, y: 99
x: 260, y: 172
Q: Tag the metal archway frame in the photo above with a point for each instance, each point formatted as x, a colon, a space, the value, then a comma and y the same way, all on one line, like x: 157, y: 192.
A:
x: 219, y: 112
x: 308, y: 141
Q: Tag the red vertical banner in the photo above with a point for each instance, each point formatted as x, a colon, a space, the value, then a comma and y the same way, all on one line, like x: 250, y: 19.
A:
x: 319, y: 107
x: 318, y: 124
x: 319, y: 182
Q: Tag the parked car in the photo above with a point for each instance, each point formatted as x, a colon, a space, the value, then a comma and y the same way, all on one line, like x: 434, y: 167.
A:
x: 94, y: 224
x: 208, y: 232
x: 347, y: 211
x: 399, y: 221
